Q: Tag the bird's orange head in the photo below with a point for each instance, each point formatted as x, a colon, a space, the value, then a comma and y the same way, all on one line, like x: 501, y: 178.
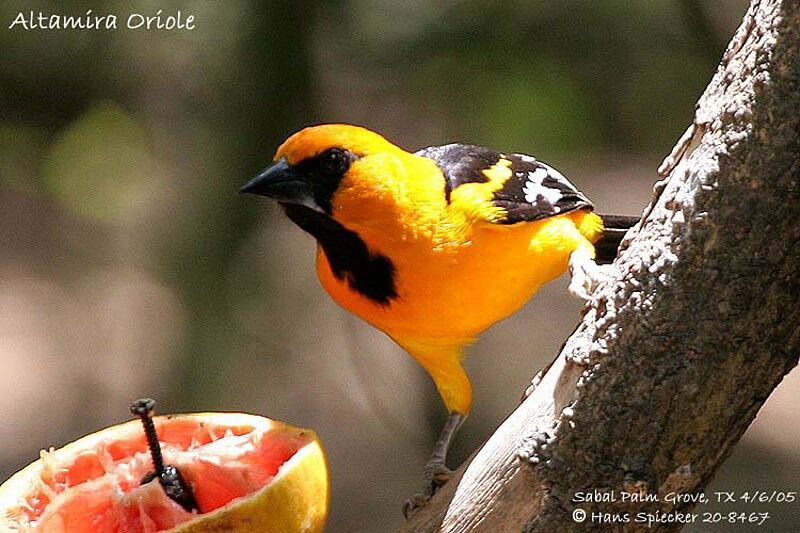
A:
x: 351, y: 175
x: 314, y: 164
x: 313, y: 141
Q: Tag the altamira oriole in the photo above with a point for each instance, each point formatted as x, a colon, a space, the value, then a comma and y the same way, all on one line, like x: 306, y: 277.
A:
x: 434, y: 247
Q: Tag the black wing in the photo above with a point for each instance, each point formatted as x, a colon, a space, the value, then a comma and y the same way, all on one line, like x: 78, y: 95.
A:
x: 534, y: 191
x: 461, y: 163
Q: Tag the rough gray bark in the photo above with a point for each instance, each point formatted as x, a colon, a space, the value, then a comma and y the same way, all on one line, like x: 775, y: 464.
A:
x: 697, y: 325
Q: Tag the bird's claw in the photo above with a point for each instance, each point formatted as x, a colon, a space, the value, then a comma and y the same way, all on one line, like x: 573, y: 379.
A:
x: 435, y: 477
x: 414, y: 504
x: 586, y: 274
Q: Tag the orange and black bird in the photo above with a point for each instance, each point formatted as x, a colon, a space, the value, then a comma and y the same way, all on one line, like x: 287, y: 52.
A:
x: 433, y: 247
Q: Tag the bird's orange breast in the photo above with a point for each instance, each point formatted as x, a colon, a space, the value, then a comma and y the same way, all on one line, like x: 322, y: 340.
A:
x: 449, y: 293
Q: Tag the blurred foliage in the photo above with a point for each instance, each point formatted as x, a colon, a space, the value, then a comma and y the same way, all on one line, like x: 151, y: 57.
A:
x: 101, y: 164
x: 130, y: 262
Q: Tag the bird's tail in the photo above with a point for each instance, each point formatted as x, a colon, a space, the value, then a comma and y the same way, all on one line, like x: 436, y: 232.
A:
x: 614, y: 229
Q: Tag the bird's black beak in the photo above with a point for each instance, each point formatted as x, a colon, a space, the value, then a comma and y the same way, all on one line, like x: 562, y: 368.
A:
x: 283, y: 183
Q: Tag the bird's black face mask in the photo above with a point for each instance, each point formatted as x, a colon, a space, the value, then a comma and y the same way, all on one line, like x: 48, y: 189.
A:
x: 311, y: 183
x: 305, y: 191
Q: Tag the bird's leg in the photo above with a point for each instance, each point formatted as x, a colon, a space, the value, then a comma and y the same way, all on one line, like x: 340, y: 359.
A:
x: 436, y: 472
x: 585, y: 272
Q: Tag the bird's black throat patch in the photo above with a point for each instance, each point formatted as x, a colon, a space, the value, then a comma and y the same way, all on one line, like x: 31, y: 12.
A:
x: 371, y: 275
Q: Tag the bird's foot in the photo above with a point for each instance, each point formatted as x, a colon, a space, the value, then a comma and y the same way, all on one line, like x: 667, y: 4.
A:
x: 586, y: 274
x: 436, y: 471
x: 414, y: 504
x: 439, y: 476
x: 436, y: 475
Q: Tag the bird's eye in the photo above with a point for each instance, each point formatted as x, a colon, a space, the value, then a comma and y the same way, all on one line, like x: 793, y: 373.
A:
x: 334, y: 162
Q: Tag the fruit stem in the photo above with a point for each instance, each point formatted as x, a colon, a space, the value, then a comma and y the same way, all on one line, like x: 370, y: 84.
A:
x: 143, y: 408
x: 169, y: 477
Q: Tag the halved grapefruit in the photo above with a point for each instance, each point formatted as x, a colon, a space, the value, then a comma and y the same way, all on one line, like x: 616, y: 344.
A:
x: 248, y: 473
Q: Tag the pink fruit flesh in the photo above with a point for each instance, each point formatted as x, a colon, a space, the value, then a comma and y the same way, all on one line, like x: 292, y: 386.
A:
x: 99, y: 490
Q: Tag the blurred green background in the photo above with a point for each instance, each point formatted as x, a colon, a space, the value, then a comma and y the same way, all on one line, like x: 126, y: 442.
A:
x: 129, y: 266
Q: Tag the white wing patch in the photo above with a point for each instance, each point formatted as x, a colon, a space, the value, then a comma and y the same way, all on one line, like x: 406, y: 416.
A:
x: 534, y: 187
x: 537, y: 191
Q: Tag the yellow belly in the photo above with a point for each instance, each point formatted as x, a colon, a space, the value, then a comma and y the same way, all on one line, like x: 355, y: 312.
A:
x: 450, y: 294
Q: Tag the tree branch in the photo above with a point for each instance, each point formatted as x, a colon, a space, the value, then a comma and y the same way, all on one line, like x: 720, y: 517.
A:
x: 699, y: 323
